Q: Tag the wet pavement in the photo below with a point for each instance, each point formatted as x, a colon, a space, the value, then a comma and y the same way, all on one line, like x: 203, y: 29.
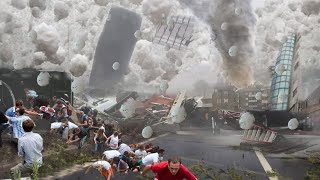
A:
x: 214, y: 151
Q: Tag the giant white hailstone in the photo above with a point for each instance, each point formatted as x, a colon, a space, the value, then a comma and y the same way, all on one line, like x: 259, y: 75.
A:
x: 178, y: 63
x: 47, y: 38
x: 77, y: 86
x: 41, y: 4
x: 246, y: 120
x: 18, y: 64
x: 224, y: 26
x: 164, y: 86
x: 238, y: 11
x: 43, y: 79
x: 35, y: 11
x: 115, y: 66
x: 101, y: 2
x: 170, y: 24
x: 39, y: 58
x: 282, y: 97
x: 258, y: 96
x: 233, y: 51
x: 280, y: 68
x: 147, y: 132
x: 128, y: 108
x: 167, y: 47
x: 138, y: 34
x: 19, y: 4
x: 59, y: 57
x: 78, y: 65
x: 61, y: 10
x: 178, y: 115
x: 293, y: 124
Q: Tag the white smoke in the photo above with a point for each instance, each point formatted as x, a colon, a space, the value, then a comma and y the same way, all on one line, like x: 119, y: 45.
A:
x: 277, y: 20
x: 47, y: 38
x: 78, y: 65
x: 32, y: 36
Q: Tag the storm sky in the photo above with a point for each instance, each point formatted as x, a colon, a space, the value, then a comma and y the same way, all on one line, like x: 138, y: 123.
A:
x: 62, y: 35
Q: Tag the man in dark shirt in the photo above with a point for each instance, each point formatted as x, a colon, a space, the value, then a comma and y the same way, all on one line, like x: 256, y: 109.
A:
x: 79, y: 134
x: 170, y: 170
x: 3, y: 125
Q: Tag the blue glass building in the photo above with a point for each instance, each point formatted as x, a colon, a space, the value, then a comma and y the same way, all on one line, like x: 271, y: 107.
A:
x: 280, y: 86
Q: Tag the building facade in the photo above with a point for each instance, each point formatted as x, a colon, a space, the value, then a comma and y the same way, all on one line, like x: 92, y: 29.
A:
x: 311, y: 107
x: 225, y: 97
x: 228, y: 98
x: 280, y: 86
x: 248, y: 98
x: 295, y: 84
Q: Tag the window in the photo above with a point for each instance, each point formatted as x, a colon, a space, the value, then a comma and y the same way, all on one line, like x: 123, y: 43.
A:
x: 295, y: 91
x: 225, y: 100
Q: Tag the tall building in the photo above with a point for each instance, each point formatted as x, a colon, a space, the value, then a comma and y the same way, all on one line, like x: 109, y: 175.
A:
x: 295, y: 90
x: 280, y: 86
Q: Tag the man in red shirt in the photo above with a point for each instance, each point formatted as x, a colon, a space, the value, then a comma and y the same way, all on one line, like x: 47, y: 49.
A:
x: 170, y: 170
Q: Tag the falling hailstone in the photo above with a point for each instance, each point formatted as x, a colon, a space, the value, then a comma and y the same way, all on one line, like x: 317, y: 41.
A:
x: 178, y: 63
x: 282, y: 97
x: 43, y: 79
x: 164, y: 86
x: 238, y: 11
x: 115, y: 66
x: 167, y: 47
x: 78, y: 65
x: 147, y: 132
x: 137, y: 34
x: 258, y: 96
x: 293, y: 124
x: 224, y: 26
x: 246, y: 120
x: 280, y: 68
x: 233, y: 51
x: 170, y: 24
x: 128, y: 108
x: 61, y: 10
